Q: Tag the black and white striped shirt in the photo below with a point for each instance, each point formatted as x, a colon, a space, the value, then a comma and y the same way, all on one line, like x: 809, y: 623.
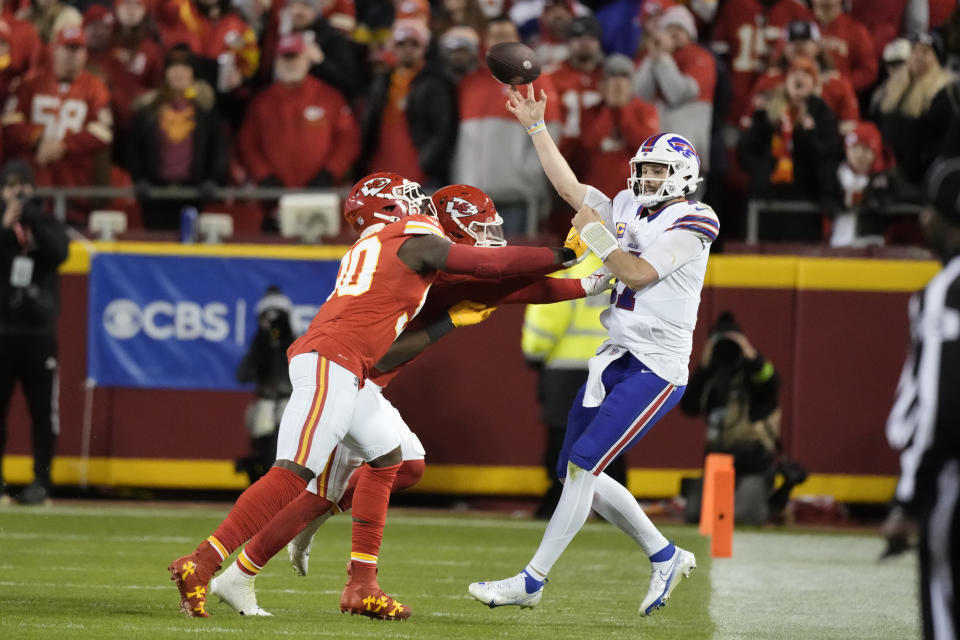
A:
x: 924, y: 424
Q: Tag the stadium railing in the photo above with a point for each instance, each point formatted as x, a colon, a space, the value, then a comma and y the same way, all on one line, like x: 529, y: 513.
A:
x: 756, y: 206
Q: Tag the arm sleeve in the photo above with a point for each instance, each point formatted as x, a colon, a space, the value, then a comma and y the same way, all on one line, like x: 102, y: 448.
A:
x: 544, y: 291
x: 671, y: 251
x: 644, y: 82
x: 498, y: 263
x: 596, y: 199
x: 676, y: 87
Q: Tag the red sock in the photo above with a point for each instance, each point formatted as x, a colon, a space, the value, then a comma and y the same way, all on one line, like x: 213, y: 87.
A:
x: 253, y: 510
x: 409, y: 474
x: 284, y: 526
x: 371, y: 497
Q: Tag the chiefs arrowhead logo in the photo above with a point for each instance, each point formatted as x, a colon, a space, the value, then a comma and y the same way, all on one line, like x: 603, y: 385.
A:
x: 460, y: 208
x: 374, y: 186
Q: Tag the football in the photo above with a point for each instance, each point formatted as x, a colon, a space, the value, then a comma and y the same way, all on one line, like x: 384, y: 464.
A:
x: 513, y: 63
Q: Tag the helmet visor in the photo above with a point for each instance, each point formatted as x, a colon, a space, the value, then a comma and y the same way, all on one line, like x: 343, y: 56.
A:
x: 488, y: 234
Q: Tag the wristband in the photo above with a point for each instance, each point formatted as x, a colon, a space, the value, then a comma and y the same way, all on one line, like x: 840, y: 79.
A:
x: 599, y: 239
x: 537, y: 127
x: 440, y: 328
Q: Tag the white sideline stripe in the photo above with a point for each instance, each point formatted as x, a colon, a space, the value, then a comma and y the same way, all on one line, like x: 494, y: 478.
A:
x: 826, y: 578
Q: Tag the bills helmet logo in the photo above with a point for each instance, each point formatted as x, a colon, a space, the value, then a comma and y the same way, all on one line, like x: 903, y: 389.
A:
x: 374, y: 186
x: 460, y: 208
x: 683, y: 147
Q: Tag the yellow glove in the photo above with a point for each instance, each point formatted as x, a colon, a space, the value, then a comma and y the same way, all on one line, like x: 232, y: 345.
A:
x: 574, y: 242
x: 467, y: 312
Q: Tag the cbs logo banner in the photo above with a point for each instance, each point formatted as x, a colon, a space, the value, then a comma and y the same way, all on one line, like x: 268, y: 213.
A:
x: 186, y: 322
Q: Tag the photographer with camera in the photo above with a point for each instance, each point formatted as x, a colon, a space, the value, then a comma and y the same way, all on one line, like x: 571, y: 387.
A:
x: 266, y: 365
x: 32, y: 247
x: 737, y: 390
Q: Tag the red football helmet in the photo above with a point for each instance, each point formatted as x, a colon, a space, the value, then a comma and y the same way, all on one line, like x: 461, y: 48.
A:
x: 468, y: 216
x: 384, y: 197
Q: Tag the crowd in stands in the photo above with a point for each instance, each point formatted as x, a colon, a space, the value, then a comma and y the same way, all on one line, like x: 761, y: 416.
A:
x: 839, y: 104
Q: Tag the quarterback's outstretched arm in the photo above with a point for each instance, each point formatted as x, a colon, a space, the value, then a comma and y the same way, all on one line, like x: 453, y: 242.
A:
x: 529, y: 111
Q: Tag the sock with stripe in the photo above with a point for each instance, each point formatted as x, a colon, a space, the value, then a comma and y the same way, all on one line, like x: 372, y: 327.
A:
x: 247, y: 566
x: 371, y: 498
x: 284, y: 526
x: 567, y: 519
x: 252, y: 511
x: 616, y: 505
x: 409, y: 474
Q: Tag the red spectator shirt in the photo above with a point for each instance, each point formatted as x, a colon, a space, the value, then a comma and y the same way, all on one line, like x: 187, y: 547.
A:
x: 295, y: 131
x: 483, y: 96
x: 578, y: 93
x: 747, y: 31
x: 883, y: 20
x: 129, y: 72
x: 835, y: 90
x: 449, y: 289
x: 180, y: 21
x: 374, y: 298
x: 77, y: 113
x: 24, y: 48
x: 851, y: 50
x: 395, y: 150
x: 696, y: 62
x: 610, y: 138
x: 940, y: 12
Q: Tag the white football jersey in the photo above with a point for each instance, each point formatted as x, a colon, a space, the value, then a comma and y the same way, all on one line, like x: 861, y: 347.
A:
x: 656, y: 323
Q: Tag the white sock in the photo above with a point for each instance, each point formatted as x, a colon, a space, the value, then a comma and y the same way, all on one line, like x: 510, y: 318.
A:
x: 616, y: 505
x: 566, y: 521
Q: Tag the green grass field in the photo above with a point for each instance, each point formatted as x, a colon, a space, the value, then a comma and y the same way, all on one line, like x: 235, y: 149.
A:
x: 96, y: 571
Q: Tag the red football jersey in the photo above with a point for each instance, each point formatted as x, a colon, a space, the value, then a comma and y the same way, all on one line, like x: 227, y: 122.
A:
x: 374, y: 298
x: 77, y: 113
x: 449, y: 289
x: 578, y: 92
x: 746, y: 31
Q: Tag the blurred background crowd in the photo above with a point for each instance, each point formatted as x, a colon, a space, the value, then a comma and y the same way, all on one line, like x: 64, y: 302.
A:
x: 830, y: 109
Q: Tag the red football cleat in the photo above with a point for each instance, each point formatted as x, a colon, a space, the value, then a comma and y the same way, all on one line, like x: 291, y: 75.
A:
x: 192, y: 578
x: 362, y: 596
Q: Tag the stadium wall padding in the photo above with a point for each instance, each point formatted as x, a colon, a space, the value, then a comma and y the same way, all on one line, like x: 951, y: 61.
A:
x: 836, y: 330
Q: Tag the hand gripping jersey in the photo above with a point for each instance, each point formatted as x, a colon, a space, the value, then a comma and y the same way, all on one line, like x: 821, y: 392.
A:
x: 656, y: 324
x: 374, y: 298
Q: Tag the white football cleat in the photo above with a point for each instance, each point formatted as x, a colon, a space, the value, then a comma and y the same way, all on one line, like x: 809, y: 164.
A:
x: 664, y: 578
x: 511, y: 591
x: 298, y: 549
x: 235, y: 588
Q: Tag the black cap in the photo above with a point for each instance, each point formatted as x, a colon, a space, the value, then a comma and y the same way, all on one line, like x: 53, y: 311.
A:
x: 18, y: 169
x: 725, y: 322
x: 802, y: 30
x: 584, y: 26
x: 935, y: 42
x: 179, y: 53
x: 943, y: 188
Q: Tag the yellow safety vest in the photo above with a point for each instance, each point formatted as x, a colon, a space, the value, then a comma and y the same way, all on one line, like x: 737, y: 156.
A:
x: 565, y: 335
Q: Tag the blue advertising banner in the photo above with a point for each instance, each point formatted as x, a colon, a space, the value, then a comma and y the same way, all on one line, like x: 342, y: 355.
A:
x: 183, y: 321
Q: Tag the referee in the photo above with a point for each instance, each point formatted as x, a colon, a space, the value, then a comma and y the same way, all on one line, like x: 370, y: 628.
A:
x: 924, y: 424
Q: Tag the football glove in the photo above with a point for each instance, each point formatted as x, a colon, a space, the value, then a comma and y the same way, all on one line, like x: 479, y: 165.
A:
x: 468, y: 312
x: 575, y: 244
x: 597, y: 282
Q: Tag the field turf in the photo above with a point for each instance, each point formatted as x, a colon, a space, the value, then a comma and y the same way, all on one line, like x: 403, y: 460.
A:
x: 91, y: 570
